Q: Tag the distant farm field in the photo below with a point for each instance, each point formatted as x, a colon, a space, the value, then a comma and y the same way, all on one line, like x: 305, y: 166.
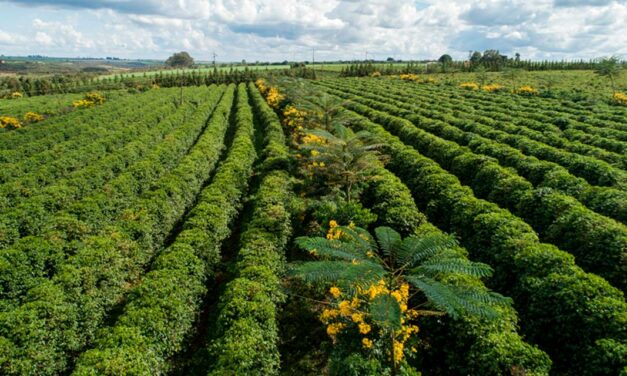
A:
x: 162, y: 232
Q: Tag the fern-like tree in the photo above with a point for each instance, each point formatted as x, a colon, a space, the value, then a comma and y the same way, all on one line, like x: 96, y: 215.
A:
x: 343, y: 159
x: 609, y: 67
x: 382, y: 284
x: 324, y: 111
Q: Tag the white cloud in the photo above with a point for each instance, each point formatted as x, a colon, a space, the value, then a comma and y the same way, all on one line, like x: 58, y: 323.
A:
x: 281, y: 29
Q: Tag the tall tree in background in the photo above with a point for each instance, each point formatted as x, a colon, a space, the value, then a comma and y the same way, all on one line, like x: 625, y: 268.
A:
x: 609, y: 67
x: 180, y: 60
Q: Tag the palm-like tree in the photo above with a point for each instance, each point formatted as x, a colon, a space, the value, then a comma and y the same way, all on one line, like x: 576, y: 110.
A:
x: 349, y: 158
x: 325, y: 111
x: 609, y: 67
x: 436, y: 273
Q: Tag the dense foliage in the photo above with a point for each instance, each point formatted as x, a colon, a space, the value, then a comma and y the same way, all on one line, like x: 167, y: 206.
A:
x: 302, y: 224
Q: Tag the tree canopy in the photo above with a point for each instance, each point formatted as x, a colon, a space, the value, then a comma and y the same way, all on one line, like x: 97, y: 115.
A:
x: 180, y: 59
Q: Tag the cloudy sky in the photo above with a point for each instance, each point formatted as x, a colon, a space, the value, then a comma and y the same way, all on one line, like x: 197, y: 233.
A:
x: 289, y: 29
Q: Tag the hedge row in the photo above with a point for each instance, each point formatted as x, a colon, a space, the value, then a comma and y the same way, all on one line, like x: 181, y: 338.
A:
x: 577, y: 318
x: 161, y: 310
x: 592, y: 118
x: 557, y: 122
x: 61, y: 316
x: 467, y: 346
x: 84, y: 124
x: 529, y: 117
x: 599, y: 243
x: 43, y: 168
x: 275, y: 154
x: 26, y: 196
x: 596, y: 172
x: 33, y: 258
x: 604, y: 200
x: 246, y: 338
x: 494, y: 115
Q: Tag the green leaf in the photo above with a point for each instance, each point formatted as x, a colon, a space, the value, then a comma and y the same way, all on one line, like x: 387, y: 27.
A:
x: 385, y: 310
x: 388, y: 239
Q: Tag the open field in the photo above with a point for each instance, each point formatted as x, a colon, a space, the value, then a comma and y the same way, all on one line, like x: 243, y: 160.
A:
x: 163, y: 232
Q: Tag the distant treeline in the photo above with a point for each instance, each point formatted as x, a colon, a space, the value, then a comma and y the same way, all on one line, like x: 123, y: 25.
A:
x: 60, y: 84
x: 490, y: 64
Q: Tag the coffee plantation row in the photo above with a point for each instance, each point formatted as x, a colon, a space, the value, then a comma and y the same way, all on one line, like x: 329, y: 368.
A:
x: 290, y: 226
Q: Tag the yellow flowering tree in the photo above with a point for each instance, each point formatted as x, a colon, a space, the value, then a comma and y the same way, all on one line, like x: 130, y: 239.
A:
x: 343, y: 160
x: 381, y: 285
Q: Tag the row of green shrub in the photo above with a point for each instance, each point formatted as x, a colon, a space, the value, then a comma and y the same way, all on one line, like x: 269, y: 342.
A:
x: 466, y: 346
x: 105, y: 157
x: 599, y: 243
x: 595, y: 118
x: 245, y: 338
x: 555, y: 119
x: 160, y: 313
x: 596, y: 172
x: 608, y: 201
x: 275, y: 154
x: 37, y: 257
x: 85, y: 124
x: 493, y: 115
x: 577, y: 318
x: 42, y: 168
x: 61, y: 316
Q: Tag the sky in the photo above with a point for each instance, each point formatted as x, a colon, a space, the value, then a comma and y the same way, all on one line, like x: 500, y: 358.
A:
x: 277, y: 30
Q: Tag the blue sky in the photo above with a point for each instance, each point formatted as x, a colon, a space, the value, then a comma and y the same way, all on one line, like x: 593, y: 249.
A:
x: 336, y: 29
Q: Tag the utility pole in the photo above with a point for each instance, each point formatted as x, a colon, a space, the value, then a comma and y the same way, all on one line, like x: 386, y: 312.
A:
x: 313, y: 59
x: 214, y: 59
x: 366, y: 57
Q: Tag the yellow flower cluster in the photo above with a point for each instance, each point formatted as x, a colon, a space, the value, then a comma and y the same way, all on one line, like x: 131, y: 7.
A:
x: 334, y: 329
x: 274, y: 97
x: 492, y: 87
x: 334, y: 232
x: 376, y: 74
x: 293, y: 118
x: 16, y: 95
x: 346, y: 314
x: 261, y: 85
x: 315, y: 164
x: 312, y: 139
x: 90, y: 100
x: 33, y: 117
x: 82, y: 103
x: 409, y: 77
x: 526, y: 90
x: 469, y: 85
x: 620, y: 98
x: 9, y: 122
x: 96, y: 98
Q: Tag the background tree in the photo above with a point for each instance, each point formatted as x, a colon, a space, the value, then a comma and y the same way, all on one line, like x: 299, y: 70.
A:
x: 180, y: 60
x: 610, y: 68
x: 475, y: 58
x: 445, y: 59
